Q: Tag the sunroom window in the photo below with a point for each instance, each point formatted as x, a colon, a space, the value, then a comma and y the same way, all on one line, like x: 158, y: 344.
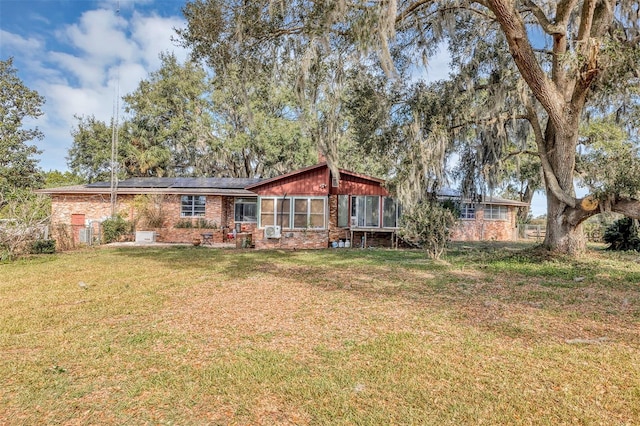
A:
x: 365, y: 211
x: 308, y: 213
x: 391, y: 212
x: 275, y: 211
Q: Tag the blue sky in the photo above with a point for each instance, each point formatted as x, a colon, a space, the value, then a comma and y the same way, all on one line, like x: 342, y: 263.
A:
x: 72, y: 52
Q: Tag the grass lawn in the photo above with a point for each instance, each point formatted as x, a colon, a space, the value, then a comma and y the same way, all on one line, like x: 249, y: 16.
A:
x: 191, y: 335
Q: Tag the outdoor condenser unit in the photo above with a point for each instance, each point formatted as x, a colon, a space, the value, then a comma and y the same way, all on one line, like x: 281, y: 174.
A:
x: 145, y: 237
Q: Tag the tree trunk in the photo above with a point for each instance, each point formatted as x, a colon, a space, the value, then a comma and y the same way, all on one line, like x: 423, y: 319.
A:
x: 526, y: 197
x: 562, y: 235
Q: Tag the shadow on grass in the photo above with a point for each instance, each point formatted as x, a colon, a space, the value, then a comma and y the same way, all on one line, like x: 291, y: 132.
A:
x: 487, y: 285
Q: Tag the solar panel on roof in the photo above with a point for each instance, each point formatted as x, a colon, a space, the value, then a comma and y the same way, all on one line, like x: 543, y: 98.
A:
x: 181, y: 183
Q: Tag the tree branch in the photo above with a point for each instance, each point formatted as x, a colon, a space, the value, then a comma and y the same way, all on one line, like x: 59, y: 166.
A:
x: 414, y: 7
x: 541, y: 86
x: 629, y: 207
x: 547, y: 26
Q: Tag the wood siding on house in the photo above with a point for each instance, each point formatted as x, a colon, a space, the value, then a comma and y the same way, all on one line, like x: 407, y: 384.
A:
x: 313, y: 182
x: 356, y: 185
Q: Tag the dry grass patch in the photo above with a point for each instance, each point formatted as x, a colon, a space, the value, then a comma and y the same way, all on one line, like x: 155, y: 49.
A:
x: 200, y: 336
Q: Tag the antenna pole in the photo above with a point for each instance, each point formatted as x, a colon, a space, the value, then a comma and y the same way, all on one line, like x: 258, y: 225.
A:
x: 114, y: 138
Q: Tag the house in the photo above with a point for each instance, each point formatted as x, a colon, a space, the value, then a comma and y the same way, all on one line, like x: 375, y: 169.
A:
x: 312, y: 208
x: 307, y: 208
x: 485, y: 218
x: 174, y: 209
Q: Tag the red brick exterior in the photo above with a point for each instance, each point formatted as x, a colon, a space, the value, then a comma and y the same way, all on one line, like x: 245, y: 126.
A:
x: 96, y: 208
x: 312, y: 181
x: 293, y: 239
x: 479, y: 229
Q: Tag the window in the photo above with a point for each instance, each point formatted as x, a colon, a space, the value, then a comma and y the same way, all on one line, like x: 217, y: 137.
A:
x: 391, y: 212
x: 192, y: 205
x: 275, y: 211
x: 343, y: 211
x: 308, y: 213
x: 468, y: 211
x: 245, y: 210
x: 493, y: 212
x: 267, y: 212
x: 365, y: 211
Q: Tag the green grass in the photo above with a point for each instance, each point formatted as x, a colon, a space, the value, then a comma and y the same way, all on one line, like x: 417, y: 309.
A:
x: 493, y: 333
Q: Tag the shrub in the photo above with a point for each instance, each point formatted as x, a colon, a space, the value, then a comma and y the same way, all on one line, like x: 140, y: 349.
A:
x: 43, y: 246
x: 150, y: 213
x: 428, y: 226
x: 623, y: 234
x: 115, y: 227
x: 200, y: 223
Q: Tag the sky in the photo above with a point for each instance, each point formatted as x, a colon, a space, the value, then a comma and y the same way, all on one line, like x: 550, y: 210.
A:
x: 79, y: 54
x: 74, y: 52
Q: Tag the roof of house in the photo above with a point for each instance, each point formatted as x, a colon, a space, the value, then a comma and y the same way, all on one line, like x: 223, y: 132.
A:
x: 308, y: 169
x: 483, y: 199
x: 155, y: 185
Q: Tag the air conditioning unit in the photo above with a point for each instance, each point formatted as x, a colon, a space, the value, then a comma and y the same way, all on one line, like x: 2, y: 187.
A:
x: 272, y: 231
x: 145, y: 237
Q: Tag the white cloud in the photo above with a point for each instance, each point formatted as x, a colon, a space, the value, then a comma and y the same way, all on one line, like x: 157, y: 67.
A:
x: 92, y: 56
x: 153, y: 35
x: 101, y: 35
x: 16, y: 43
x: 87, y: 73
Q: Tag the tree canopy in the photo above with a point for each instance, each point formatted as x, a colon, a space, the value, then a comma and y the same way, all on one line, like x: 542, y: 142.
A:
x: 525, y: 75
x: 182, y: 122
x: 18, y: 103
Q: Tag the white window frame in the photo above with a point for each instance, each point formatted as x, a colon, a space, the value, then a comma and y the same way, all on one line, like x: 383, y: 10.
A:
x: 291, y: 222
x: 308, y: 213
x: 495, y: 212
x: 189, y: 207
x: 366, y: 201
x: 245, y: 201
x: 276, y: 221
x: 467, y: 211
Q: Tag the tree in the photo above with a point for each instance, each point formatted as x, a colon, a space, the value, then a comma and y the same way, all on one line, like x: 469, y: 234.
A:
x: 56, y: 178
x: 428, y: 225
x: 90, y: 153
x: 538, y: 65
x: 24, y: 218
x: 18, y: 168
x: 169, y: 131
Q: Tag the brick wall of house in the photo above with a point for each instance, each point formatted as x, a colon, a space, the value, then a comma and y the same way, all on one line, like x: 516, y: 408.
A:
x: 336, y: 233
x: 479, y: 229
x: 98, y: 208
x: 295, y: 239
